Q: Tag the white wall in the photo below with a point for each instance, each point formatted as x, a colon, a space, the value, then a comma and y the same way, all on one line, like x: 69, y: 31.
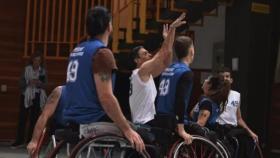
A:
x: 213, y: 30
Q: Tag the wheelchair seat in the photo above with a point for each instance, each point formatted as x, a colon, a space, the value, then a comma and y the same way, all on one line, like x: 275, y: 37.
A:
x: 67, y: 135
x: 100, y: 128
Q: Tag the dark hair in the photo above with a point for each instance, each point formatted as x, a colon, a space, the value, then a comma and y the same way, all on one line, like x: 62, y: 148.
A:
x: 35, y: 55
x: 182, y: 45
x: 224, y: 69
x: 221, y: 89
x: 97, y: 21
x: 133, y: 55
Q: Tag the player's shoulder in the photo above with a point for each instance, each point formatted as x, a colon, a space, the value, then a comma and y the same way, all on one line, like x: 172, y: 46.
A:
x: 104, y: 50
x: 58, y: 89
x: 233, y: 92
x: 104, y: 54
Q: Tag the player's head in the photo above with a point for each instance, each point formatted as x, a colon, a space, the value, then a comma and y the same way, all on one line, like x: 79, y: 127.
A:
x: 183, y: 47
x: 226, y: 73
x: 98, y: 22
x: 216, y: 88
x: 138, y: 56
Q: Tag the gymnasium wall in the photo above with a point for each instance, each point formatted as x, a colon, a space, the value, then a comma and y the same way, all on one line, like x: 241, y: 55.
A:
x: 212, y: 31
x: 12, y: 33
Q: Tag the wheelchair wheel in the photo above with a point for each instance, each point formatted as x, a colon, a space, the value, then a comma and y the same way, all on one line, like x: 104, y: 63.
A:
x: 226, y: 153
x: 256, y: 151
x: 60, y: 151
x: 48, y: 147
x: 105, y: 146
x: 200, y: 148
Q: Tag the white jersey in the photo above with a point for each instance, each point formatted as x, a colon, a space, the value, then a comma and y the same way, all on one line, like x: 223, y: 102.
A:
x: 229, y: 116
x: 141, y: 98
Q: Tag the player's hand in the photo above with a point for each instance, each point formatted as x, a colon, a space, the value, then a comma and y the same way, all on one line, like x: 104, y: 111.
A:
x: 31, y: 147
x: 135, y: 140
x: 165, y: 31
x: 187, y: 137
x: 179, y: 21
x: 254, y: 136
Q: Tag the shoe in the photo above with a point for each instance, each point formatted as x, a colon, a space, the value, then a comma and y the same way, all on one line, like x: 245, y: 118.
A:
x: 17, y: 145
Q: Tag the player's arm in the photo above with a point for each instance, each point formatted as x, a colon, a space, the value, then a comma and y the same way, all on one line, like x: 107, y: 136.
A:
x: 103, y: 65
x: 183, y: 90
x: 204, y: 113
x: 48, y: 111
x: 243, y: 124
x: 203, y: 117
x: 163, y: 57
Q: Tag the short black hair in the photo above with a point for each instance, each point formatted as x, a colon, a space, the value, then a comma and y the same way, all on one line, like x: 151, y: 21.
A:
x: 225, y: 69
x: 133, y: 55
x: 97, y: 21
x: 182, y: 45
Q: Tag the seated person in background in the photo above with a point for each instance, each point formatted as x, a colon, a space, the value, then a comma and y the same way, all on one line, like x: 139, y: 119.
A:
x: 53, y: 108
x: 232, y: 113
x: 175, y: 87
x: 212, y: 103
x: 230, y: 121
x: 142, y: 87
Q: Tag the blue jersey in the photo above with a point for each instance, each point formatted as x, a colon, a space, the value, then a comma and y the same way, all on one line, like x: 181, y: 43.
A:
x: 83, y: 104
x: 167, y: 88
x: 58, y: 114
x: 215, y: 112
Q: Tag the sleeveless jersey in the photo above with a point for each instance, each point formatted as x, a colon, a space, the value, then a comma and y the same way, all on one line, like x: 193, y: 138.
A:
x: 167, y: 89
x: 229, y: 116
x: 83, y: 104
x: 142, y: 98
x: 215, y: 112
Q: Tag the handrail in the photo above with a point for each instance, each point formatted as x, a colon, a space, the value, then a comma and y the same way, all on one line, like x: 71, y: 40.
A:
x: 124, y: 7
x: 143, y: 18
x: 129, y: 25
x: 50, y: 34
x: 116, y: 21
x: 27, y: 28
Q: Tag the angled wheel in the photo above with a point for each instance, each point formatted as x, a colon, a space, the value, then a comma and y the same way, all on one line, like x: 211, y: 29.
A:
x: 200, y: 148
x: 256, y: 151
x: 105, y: 146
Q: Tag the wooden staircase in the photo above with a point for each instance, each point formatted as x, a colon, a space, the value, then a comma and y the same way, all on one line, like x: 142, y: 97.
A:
x: 145, y: 25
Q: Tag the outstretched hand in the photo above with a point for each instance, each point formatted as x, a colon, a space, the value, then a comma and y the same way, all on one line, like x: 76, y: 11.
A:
x: 179, y: 21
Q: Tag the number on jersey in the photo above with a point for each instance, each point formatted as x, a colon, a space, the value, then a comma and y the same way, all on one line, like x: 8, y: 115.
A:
x: 130, y: 89
x: 72, y: 71
x: 164, y: 87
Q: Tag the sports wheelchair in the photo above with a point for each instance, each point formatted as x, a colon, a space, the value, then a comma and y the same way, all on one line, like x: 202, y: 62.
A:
x: 159, y: 143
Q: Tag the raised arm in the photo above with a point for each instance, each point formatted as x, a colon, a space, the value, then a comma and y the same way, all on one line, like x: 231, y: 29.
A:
x: 103, y: 65
x: 163, y: 57
x: 47, y: 113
